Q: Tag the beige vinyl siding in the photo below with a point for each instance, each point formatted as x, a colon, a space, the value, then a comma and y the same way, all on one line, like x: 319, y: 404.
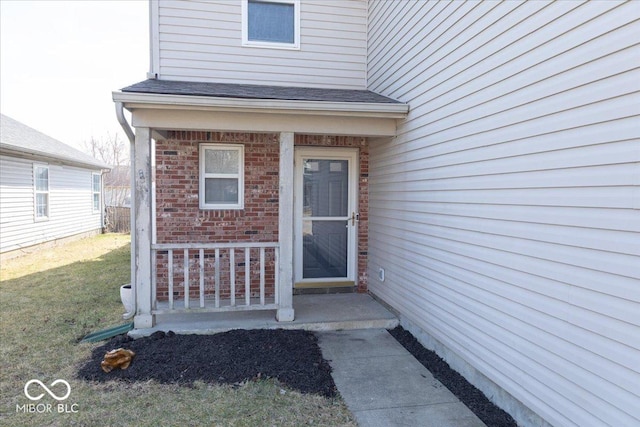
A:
x: 70, y: 204
x: 202, y: 41
x: 506, y: 211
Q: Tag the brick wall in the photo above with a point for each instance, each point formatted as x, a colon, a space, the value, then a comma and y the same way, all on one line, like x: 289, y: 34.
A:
x: 180, y: 220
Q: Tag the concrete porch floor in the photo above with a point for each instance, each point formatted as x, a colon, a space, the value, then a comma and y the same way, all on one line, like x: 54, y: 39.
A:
x: 328, y: 312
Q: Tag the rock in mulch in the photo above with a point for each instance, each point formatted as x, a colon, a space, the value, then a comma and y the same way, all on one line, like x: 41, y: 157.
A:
x: 473, y: 398
x: 292, y: 357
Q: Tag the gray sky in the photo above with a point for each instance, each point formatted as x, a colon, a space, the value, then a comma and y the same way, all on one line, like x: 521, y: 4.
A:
x: 60, y: 61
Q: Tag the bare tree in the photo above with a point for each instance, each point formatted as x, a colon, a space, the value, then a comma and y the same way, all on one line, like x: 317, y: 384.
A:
x: 112, y: 150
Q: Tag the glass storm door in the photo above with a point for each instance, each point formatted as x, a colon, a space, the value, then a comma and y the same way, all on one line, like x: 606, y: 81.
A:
x: 326, y: 217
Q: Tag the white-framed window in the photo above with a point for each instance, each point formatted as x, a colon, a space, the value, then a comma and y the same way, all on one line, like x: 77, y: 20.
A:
x: 96, y: 186
x: 41, y: 192
x: 271, y: 23
x: 221, y: 176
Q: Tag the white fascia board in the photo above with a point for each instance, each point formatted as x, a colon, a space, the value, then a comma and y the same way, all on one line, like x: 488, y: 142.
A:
x: 134, y: 100
x: 233, y: 121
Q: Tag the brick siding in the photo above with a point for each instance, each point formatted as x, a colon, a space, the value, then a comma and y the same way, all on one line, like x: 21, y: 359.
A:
x: 180, y: 220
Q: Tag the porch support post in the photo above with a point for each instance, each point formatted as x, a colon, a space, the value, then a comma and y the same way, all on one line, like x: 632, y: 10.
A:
x: 142, y: 250
x: 285, y: 229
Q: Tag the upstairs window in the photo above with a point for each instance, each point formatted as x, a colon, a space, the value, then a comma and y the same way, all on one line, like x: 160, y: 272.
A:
x: 221, y: 176
x: 96, y: 186
x: 271, y: 23
x: 41, y: 192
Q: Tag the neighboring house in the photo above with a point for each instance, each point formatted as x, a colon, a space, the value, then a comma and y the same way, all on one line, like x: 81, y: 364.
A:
x: 474, y: 165
x: 48, y: 190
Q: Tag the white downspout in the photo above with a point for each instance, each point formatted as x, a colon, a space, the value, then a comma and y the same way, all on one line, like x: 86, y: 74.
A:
x: 123, y: 122
x: 132, y: 139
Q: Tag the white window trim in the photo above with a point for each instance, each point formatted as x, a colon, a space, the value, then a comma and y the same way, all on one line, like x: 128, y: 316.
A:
x: 272, y: 45
x: 239, y: 176
x: 94, y: 192
x: 36, y: 192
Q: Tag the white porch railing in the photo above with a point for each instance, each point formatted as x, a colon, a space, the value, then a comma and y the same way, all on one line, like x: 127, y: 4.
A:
x: 220, y: 284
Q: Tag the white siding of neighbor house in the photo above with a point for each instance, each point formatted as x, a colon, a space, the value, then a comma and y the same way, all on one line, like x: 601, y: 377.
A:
x: 506, y: 212
x: 202, y: 41
x: 70, y: 209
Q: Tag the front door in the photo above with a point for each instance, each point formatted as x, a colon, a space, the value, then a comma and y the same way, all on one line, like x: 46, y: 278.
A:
x: 325, y: 217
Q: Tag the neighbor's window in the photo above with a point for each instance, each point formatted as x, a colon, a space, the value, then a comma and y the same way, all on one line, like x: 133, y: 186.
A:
x: 271, y: 23
x: 96, y: 185
x: 41, y: 191
x: 221, y: 176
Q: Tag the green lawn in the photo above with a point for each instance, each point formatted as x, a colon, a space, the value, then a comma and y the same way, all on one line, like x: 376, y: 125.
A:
x: 53, y: 298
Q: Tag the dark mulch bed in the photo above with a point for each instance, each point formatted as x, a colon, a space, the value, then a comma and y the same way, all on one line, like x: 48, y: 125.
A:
x: 473, y: 398
x: 292, y: 357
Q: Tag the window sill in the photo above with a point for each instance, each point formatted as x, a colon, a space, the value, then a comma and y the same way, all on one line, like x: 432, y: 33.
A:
x: 271, y: 45
x: 221, y: 208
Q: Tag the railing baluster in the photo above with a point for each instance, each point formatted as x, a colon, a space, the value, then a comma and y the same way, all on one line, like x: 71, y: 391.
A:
x: 218, y: 250
x: 261, y: 276
x: 201, y: 278
x: 154, y: 278
x: 170, y: 272
x: 186, y: 278
x: 247, y: 276
x: 276, y: 283
x: 232, y: 275
x: 217, y: 264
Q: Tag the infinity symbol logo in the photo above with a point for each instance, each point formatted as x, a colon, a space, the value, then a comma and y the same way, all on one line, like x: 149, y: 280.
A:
x: 45, y: 388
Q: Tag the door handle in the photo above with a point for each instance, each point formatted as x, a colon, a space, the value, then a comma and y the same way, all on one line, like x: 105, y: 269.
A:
x: 354, y: 217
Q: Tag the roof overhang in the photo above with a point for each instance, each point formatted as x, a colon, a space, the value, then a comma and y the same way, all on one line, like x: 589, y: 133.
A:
x: 132, y: 100
x: 188, y: 112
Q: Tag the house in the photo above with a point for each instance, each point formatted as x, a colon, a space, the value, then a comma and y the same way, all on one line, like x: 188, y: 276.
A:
x: 473, y: 165
x: 49, y: 191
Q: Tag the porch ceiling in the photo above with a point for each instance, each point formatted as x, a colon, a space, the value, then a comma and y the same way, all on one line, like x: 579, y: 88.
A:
x: 161, y: 104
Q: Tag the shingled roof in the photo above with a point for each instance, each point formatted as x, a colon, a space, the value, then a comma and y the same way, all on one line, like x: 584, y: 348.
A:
x: 18, y: 138
x: 246, y: 91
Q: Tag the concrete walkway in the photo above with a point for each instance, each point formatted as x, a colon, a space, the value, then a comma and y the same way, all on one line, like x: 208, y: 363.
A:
x: 385, y: 386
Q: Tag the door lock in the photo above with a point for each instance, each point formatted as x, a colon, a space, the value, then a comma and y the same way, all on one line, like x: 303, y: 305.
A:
x: 354, y: 217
